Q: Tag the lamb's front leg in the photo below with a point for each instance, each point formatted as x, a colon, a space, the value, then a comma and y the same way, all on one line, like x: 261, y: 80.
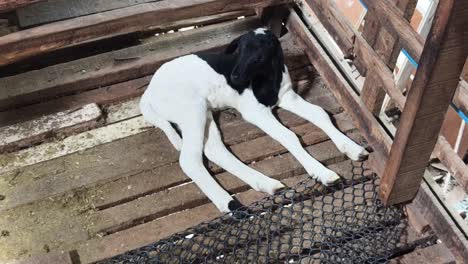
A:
x: 262, y: 117
x: 316, y: 115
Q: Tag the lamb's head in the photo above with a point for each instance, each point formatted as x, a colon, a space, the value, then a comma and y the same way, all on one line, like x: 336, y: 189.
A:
x: 258, y: 54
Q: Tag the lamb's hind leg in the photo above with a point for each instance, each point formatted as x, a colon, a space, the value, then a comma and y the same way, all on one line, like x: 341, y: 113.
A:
x: 191, y: 160
x: 219, y: 154
x: 316, y: 115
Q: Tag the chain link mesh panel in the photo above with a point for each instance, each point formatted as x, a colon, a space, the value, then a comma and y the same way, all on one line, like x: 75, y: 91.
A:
x: 306, y: 224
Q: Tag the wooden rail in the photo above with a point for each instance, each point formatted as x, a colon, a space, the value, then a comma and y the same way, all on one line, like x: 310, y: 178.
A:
x: 430, y: 96
x: 8, y: 5
x: 388, y: 47
x: 367, y: 58
x: 393, y: 20
x: 42, y: 39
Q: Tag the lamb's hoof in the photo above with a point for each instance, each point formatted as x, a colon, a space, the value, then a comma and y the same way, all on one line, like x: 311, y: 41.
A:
x: 238, y: 210
x: 358, y: 154
x: 271, y: 187
x: 329, y: 179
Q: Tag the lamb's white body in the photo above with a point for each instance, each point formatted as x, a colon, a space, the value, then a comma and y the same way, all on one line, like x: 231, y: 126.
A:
x: 185, y: 91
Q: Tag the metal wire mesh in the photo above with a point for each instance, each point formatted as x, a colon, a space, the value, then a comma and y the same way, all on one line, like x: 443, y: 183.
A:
x: 305, y: 224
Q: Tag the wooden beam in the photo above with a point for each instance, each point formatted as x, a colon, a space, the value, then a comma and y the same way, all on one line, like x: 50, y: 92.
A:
x: 362, y: 118
x: 448, y: 232
x: 385, y: 45
x: 430, y: 95
x: 329, y: 15
x: 453, y: 162
x: 42, y: 39
x: 51, y: 11
x: 365, y: 54
x: 9, y: 5
x: 116, y: 66
x: 393, y: 20
x: 373, y: 93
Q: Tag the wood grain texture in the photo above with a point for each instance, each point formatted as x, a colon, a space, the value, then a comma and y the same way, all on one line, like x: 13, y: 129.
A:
x: 385, y: 45
x: 361, y: 116
x: 441, y: 222
x: 365, y: 54
x: 429, y: 97
x: 55, y: 10
x: 51, y: 258
x: 393, y: 20
x: 42, y: 39
x: 436, y: 254
x: 452, y: 161
x: 116, y: 66
x: 8, y: 5
x: 34, y: 131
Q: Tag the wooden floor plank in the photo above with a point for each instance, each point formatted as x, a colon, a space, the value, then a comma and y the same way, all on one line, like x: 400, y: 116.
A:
x: 116, y: 66
x: 93, y: 167
x: 144, y: 234
x: 188, y: 195
x: 55, y: 10
x: 47, y: 151
x: 315, y: 92
x: 129, y: 188
x: 436, y: 254
x: 52, y: 258
x: 101, y: 96
x: 31, y: 132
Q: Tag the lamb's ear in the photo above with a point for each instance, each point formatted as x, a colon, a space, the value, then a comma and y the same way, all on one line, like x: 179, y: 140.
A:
x: 232, y: 46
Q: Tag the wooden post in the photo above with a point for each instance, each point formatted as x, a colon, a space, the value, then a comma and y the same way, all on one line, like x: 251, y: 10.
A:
x: 385, y: 44
x: 428, y: 99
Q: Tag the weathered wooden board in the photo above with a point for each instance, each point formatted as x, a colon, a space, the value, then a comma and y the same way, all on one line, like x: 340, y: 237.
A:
x: 441, y: 222
x: 436, y: 254
x: 8, y: 5
x: 121, y: 21
x: 51, y: 258
x: 189, y: 195
x: 344, y: 93
x: 386, y: 45
x: 31, y: 132
x: 143, y: 234
x: 430, y: 95
x: 393, y: 20
x: 416, y: 220
x: 365, y: 54
x: 72, y: 144
x: 101, y: 96
x: 55, y: 10
x: 93, y: 167
x: 116, y: 66
x: 315, y: 92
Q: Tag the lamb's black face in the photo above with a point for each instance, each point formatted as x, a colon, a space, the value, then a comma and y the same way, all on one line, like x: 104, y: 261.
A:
x: 257, y: 53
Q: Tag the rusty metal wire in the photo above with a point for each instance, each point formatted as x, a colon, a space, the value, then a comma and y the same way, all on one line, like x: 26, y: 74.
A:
x: 305, y: 224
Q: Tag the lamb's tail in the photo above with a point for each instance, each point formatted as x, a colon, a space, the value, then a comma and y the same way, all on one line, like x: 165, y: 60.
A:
x: 153, y: 117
